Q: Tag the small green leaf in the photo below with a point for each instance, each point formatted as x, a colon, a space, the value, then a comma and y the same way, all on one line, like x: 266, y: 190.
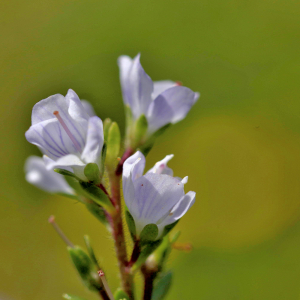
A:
x: 98, y: 196
x: 120, y: 295
x: 113, y: 145
x: 149, y: 233
x: 130, y: 224
x: 92, y: 173
x: 71, y: 297
x: 66, y: 173
x: 91, y: 251
x: 106, y: 125
x: 98, y: 212
x: 103, y: 157
x: 162, y: 286
x: 85, y: 268
x: 169, y: 227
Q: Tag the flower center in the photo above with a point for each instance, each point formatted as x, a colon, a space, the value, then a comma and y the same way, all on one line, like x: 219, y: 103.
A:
x: 67, y: 130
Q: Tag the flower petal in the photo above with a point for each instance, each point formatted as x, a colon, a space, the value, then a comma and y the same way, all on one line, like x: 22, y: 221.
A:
x: 94, y: 141
x: 179, y: 210
x: 155, y: 196
x: 66, y: 162
x: 170, y: 107
x: 52, y: 139
x: 161, y: 86
x: 161, y: 166
x: 88, y: 108
x: 137, y: 86
x: 38, y: 175
x: 133, y: 168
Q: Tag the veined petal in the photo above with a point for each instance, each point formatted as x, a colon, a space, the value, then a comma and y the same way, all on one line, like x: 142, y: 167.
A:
x: 137, y: 86
x: 161, y: 86
x: 179, y: 210
x: 88, y: 108
x: 171, y: 106
x: 38, y: 175
x: 52, y: 139
x: 133, y: 168
x: 75, y: 107
x: 161, y: 166
x: 69, y: 161
x: 155, y: 196
x: 94, y: 141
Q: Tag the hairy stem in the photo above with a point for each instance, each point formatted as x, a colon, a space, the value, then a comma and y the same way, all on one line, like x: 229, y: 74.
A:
x: 103, y: 295
x: 118, y: 235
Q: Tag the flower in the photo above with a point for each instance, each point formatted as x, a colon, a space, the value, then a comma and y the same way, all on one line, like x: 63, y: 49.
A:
x: 156, y: 197
x: 67, y: 135
x: 47, y: 180
x: 162, y: 102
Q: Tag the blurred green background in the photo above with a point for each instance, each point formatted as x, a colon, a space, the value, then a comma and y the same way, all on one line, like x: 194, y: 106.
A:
x: 240, y: 144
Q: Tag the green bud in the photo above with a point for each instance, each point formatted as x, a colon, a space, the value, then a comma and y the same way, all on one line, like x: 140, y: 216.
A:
x: 162, y: 286
x: 71, y: 297
x: 98, y: 196
x: 140, y: 130
x: 130, y: 224
x: 85, y: 268
x: 106, y: 125
x: 120, y: 295
x: 149, y: 233
x: 113, y: 145
x: 92, y: 173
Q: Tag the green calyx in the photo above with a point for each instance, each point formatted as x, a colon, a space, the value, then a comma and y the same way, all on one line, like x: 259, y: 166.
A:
x: 92, y: 173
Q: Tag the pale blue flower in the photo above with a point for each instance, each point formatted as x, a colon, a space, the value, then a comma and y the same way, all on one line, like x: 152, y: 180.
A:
x: 65, y: 132
x: 156, y: 197
x: 47, y: 180
x: 162, y: 102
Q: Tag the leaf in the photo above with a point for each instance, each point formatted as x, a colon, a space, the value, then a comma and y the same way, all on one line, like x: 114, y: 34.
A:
x: 92, y: 173
x: 91, y: 251
x: 66, y: 173
x: 162, y: 286
x: 131, y: 224
x: 106, y: 125
x: 98, y: 212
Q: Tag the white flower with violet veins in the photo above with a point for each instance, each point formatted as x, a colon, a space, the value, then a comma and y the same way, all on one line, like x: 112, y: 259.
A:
x: 162, y: 102
x: 156, y: 197
x: 66, y: 134
x: 47, y: 180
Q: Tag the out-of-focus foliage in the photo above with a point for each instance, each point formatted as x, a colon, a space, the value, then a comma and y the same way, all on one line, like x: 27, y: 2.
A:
x: 240, y: 144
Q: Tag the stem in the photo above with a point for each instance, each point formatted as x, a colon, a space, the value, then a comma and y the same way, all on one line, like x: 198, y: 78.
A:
x: 103, y: 295
x: 118, y: 235
x: 149, y: 276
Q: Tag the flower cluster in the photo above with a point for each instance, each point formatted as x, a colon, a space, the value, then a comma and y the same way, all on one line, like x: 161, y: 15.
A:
x: 78, y: 149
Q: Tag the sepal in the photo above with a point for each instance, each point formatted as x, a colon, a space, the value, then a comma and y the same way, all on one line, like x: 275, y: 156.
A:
x: 85, y: 268
x: 120, y: 295
x: 169, y: 227
x: 66, y: 173
x: 92, y: 173
x: 148, y: 234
